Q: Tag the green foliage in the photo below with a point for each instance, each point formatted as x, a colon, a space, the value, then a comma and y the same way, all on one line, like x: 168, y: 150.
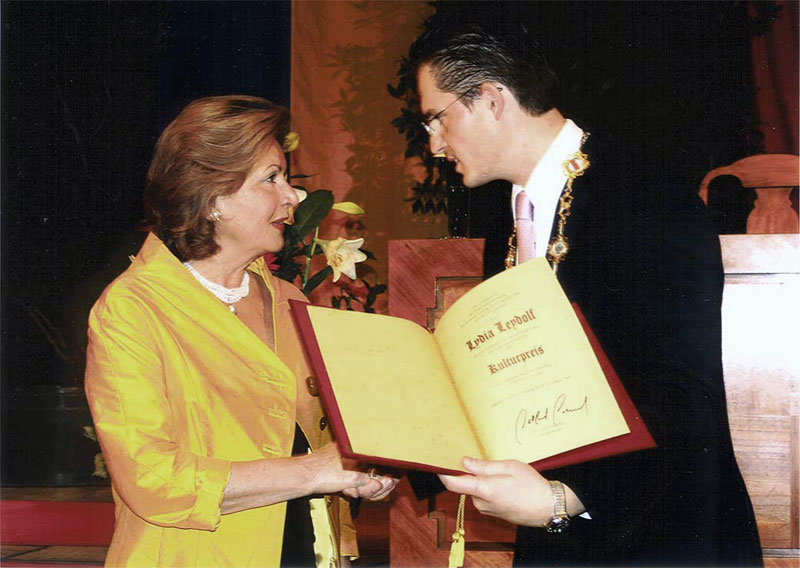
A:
x: 300, y: 246
x: 296, y: 253
x: 316, y: 280
x: 432, y: 194
x: 364, y: 295
x: 311, y: 212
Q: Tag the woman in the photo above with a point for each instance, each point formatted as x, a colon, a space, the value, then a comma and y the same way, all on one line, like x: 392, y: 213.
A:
x: 195, y: 376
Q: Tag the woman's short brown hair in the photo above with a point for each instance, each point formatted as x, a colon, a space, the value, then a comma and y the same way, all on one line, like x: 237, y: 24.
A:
x: 207, y: 151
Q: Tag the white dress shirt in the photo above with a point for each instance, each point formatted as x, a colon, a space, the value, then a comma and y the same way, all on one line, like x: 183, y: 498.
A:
x: 544, y: 189
x: 546, y: 183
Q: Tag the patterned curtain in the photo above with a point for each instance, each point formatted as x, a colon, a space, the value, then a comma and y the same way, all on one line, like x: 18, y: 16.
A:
x: 774, y: 55
x: 343, y: 56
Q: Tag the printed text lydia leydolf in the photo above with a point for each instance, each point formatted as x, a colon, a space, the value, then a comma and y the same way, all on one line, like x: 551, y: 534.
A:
x: 501, y: 327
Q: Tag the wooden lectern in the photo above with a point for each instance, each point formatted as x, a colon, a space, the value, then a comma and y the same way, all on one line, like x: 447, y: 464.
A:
x: 760, y: 330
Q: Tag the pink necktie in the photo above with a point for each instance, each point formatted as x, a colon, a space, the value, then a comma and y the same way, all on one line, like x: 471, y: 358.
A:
x: 523, y: 209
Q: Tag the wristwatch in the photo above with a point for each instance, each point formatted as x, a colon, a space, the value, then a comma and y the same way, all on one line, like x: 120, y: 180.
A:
x: 560, y: 519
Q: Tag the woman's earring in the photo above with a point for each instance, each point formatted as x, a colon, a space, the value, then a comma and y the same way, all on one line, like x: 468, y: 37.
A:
x: 215, y: 215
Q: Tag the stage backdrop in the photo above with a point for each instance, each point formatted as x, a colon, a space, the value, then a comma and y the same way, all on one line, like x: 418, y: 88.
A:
x: 343, y: 55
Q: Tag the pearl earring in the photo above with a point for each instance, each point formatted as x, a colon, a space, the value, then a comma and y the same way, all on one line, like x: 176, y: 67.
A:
x: 215, y: 215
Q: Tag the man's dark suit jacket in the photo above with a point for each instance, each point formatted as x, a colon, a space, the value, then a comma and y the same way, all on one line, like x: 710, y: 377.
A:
x: 644, y: 266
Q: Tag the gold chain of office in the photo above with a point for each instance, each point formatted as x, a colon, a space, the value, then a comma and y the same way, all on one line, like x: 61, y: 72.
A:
x: 574, y: 166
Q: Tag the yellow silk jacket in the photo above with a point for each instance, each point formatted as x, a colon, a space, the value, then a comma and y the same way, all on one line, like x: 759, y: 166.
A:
x: 179, y: 388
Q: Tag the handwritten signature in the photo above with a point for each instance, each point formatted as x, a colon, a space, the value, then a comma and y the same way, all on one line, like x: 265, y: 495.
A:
x: 553, y: 415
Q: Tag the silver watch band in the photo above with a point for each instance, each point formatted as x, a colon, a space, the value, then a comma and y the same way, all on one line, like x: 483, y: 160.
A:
x: 560, y: 519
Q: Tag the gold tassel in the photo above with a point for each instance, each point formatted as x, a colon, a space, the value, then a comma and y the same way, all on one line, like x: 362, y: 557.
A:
x: 457, y: 547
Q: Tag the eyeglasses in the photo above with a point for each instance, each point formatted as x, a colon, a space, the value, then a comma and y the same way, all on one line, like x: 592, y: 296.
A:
x: 428, y: 124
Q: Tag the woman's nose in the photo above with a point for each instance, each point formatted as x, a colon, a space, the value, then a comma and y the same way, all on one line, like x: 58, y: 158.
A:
x: 292, y: 194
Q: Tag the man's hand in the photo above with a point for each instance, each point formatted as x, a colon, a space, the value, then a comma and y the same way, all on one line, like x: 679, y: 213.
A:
x: 510, y: 490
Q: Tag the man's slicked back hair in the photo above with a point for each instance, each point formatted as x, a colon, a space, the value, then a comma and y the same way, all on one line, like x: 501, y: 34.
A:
x: 464, y: 56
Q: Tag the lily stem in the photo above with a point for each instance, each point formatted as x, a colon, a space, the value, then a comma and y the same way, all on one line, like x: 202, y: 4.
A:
x: 309, y: 255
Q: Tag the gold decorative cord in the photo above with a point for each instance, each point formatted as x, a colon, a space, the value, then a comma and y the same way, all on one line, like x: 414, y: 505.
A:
x: 574, y: 166
x: 456, y: 559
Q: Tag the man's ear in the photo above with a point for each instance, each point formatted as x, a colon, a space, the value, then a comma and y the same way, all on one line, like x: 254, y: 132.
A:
x: 494, y: 95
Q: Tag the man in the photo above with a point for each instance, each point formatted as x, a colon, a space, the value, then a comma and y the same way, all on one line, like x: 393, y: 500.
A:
x: 640, y: 258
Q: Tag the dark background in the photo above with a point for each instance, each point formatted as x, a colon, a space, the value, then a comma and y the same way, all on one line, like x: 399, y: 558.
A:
x: 87, y: 87
x: 673, y: 80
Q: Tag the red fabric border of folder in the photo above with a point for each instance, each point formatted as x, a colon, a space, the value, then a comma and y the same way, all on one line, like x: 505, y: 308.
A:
x: 638, y: 438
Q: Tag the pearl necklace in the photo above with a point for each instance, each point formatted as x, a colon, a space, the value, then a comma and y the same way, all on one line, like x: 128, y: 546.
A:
x: 227, y: 295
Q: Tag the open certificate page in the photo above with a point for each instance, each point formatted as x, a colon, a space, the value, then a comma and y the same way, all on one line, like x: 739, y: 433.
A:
x: 390, y: 384
x: 508, y: 374
x: 525, y: 371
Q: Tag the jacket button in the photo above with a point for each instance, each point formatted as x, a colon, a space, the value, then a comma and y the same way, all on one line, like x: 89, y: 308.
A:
x: 311, y: 385
x: 323, y: 422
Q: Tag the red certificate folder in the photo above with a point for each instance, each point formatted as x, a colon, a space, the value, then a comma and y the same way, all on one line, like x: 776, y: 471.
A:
x: 638, y: 438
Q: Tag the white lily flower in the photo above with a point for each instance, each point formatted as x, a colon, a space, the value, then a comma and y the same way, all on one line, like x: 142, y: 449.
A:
x: 343, y: 255
x: 301, y: 194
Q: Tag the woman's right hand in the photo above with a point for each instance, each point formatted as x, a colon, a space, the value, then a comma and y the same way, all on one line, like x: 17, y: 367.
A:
x: 326, y: 473
x: 265, y: 482
x: 330, y: 461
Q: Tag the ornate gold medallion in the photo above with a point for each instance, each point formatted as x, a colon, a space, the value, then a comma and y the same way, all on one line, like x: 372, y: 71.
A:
x: 557, y: 249
x: 576, y: 163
